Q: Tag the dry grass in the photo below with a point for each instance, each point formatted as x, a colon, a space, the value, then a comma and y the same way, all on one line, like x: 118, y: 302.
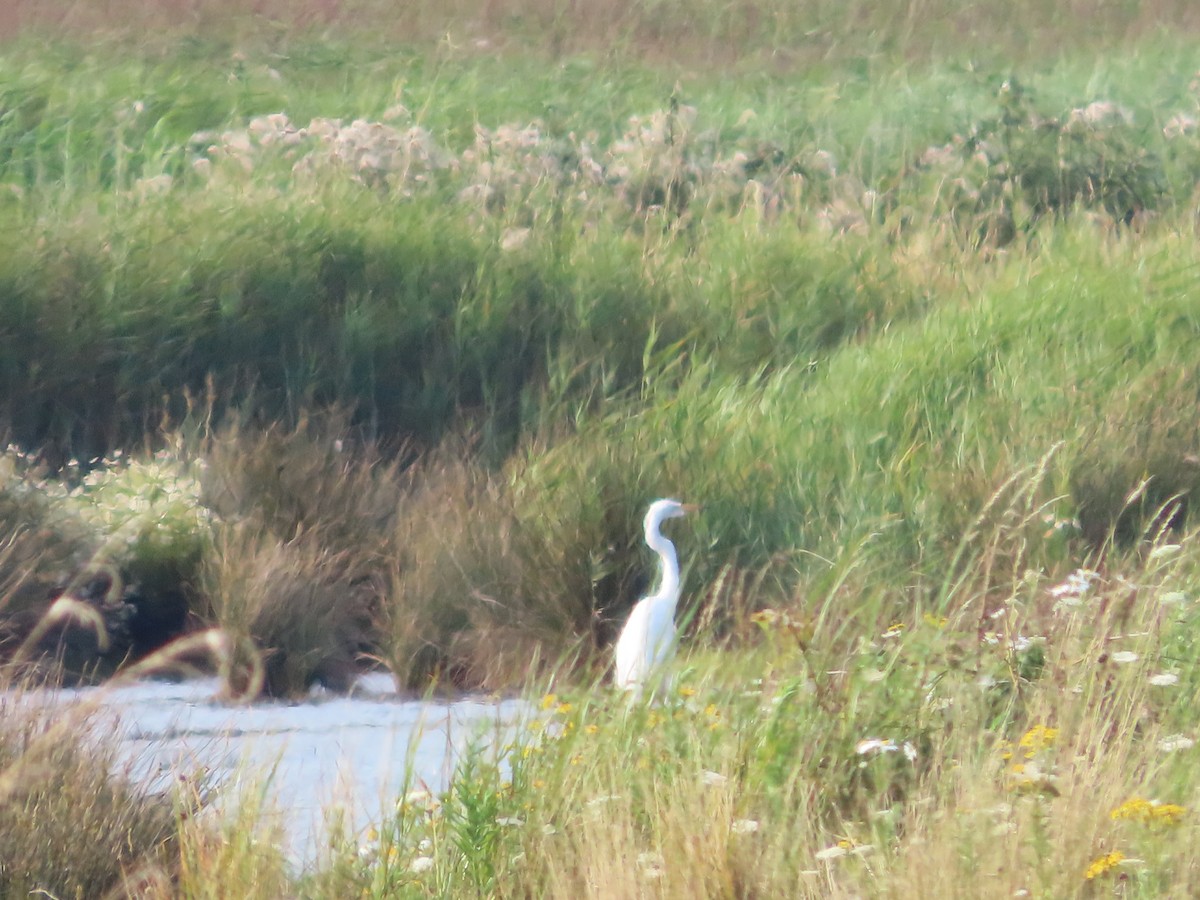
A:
x: 73, y: 823
x: 775, y: 32
x: 69, y: 795
x: 294, y: 602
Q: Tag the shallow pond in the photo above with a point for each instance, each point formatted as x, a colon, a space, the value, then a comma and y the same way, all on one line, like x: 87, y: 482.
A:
x: 356, y: 753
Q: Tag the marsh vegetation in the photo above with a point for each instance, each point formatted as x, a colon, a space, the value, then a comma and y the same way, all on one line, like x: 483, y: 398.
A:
x: 335, y: 337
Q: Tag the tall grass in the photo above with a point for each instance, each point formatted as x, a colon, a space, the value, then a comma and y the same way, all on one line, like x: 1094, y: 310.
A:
x: 73, y: 819
x: 781, y: 33
x: 1032, y: 739
x: 902, y: 294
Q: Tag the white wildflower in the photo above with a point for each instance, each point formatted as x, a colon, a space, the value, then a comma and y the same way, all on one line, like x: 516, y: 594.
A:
x: 1075, y: 586
x: 651, y: 865
x: 1124, y: 657
x: 514, y: 238
x: 1180, y: 125
x: 744, y: 826
x: 421, y: 864
x: 1174, y: 742
x: 831, y: 852
x: 1163, y: 679
x: 1101, y: 113
x: 875, y: 745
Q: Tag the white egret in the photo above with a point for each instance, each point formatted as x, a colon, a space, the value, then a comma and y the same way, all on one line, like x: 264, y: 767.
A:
x: 647, y: 641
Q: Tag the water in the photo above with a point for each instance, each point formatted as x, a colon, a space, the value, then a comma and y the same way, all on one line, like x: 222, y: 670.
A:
x: 357, y: 753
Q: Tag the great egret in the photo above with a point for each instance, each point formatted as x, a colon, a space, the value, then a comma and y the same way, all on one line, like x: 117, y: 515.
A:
x: 647, y: 641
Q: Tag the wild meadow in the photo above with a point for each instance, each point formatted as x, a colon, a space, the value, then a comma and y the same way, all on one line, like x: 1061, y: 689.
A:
x: 337, y: 336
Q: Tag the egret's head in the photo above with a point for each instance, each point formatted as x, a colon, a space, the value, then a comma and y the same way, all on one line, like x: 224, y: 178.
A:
x: 660, y: 510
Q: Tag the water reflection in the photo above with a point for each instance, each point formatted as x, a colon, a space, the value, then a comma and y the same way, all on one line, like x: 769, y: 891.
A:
x: 356, y: 753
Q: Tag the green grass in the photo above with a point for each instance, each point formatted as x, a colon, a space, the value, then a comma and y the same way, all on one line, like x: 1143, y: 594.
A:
x: 892, y: 292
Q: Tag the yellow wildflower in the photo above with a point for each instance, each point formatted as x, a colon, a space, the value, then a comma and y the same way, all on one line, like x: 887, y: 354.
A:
x: 1149, y: 812
x: 1135, y: 809
x: 1037, y: 739
x: 935, y: 621
x: 765, y: 617
x: 714, y: 716
x: 1169, y: 813
x: 549, y: 700
x: 686, y: 691
x: 591, y: 729
x: 563, y: 708
x: 1103, y: 864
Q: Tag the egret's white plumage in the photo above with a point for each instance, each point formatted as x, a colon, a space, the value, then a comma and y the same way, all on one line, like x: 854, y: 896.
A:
x: 647, y: 641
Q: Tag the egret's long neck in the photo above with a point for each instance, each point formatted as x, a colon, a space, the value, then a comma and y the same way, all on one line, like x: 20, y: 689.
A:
x: 669, y: 566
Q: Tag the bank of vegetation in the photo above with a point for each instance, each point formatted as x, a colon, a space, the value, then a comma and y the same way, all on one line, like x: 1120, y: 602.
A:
x: 328, y: 346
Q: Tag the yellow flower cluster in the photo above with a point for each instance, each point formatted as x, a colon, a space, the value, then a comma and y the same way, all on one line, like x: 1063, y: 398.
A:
x: 1038, y: 738
x: 550, y: 702
x: 1027, y: 773
x: 1035, y: 740
x: 1149, y: 812
x: 775, y: 620
x: 713, y: 714
x: 1103, y: 864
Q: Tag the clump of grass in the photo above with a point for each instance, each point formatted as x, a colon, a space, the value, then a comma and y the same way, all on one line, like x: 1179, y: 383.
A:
x: 291, y: 600
x: 71, y: 823
x: 477, y: 596
x: 74, y: 822
x: 317, y: 479
x: 1140, y: 468
x: 43, y: 547
x: 299, y: 561
x: 244, y: 848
